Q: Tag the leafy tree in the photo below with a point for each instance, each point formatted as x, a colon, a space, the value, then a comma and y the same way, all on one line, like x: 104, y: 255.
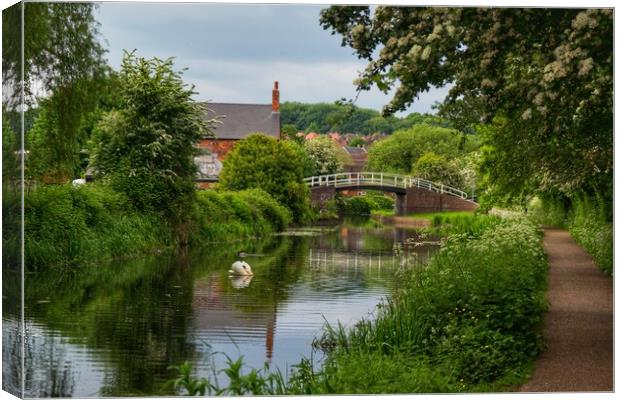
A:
x: 381, y: 124
x: 62, y: 54
x: 309, y: 168
x: 61, y: 45
x: 10, y: 148
x: 289, y: 131
x: 436, y: 168
x: 40, y: 154
x: 56, y: 160
x: 345, y: 117
x: 399, y: 151
x: 326, y: 156
x: 277, y: 167
x: 313, y: 127
x: 422, y: 119
x: 356, y: 120
x: 543, y: 76
x: 357, y: 142
x: 146, y: 147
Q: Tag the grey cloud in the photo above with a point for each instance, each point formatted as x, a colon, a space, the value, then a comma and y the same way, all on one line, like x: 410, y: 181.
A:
x: 234, y: 52
x: 228, y: 31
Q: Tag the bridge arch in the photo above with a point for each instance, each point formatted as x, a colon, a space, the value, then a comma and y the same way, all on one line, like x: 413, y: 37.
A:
x: 412, y: 194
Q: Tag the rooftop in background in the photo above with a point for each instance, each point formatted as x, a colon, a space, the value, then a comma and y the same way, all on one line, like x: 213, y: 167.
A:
x: 239, y: 120
x: 355, y: 150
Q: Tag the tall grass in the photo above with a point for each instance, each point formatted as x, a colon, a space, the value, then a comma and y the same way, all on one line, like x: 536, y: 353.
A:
x: 228, y: 215
x: 590, y: 223
x: 589, y: 218
x: 462, y: 223
x: 66, y: 225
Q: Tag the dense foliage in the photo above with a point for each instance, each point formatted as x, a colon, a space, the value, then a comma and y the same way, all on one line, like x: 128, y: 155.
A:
x: 363, y: 205
x: 74, y: 226
x: 548, y: 91
x: 437, y: 168
x: 277, y: 167
x: 63, y: 61
x: 60, y: 45
x: 438, y: 154
x: 327, y: 157
x: 347, y: 118
x: 227, y: 215
x: 10, y: 148
x: 145, y: 148
x: 588, y: 218
x: 65, y: 226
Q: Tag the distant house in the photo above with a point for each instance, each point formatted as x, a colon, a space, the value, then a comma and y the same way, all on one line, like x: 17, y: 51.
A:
x: 237, y: 121
x: 359, y: 158
x: 312, y: 135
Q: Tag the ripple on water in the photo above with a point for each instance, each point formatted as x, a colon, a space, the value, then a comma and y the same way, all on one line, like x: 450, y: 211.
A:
x: 115, y: 334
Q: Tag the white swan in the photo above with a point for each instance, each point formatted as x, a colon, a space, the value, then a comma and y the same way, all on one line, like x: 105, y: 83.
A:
x: 240, y: 268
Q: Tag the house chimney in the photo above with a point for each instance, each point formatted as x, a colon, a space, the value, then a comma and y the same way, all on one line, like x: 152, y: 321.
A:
x: 275, y: 98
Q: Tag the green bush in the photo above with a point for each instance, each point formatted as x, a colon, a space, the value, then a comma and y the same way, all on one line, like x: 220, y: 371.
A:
x: 356, y: 205
x: 587, y: 217
x: 277, y: 167
x: 145, y: 149
x: 469, y: 321
x: 381, y: 201
x: 329, y: 211
x: 226, y: 215
x: 470, y: 224
x: 437, y: 168
x: 363, y: 205
x: 67, y: 225
x: 590, y: 223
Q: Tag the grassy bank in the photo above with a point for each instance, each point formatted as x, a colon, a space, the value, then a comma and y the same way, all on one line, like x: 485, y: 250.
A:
x: 469, y: 321
x: 227, y: 215
x: 588, y: 218
x: 72, y: 226
x: 67, y: 225
x: 591, y: 226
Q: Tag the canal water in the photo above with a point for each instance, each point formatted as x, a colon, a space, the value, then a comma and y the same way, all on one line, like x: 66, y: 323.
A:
x: 114, y: 329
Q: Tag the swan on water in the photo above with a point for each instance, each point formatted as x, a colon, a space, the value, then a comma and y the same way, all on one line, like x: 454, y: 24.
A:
x: 240, y: 268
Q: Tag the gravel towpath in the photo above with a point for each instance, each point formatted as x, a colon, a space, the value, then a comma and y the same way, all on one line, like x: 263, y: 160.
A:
x: 578, y: 331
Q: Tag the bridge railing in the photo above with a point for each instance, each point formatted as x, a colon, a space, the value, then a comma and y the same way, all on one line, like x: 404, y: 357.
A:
x: 346, y: 179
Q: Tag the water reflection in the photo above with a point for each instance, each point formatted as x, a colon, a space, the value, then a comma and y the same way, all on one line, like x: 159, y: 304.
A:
x: 113, y: 330
x: 240, y: 281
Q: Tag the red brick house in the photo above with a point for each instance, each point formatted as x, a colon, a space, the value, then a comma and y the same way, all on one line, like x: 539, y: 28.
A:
x: 237, y: 121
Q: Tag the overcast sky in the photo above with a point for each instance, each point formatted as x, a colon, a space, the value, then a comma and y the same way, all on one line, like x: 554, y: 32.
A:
x: 234, y: 52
